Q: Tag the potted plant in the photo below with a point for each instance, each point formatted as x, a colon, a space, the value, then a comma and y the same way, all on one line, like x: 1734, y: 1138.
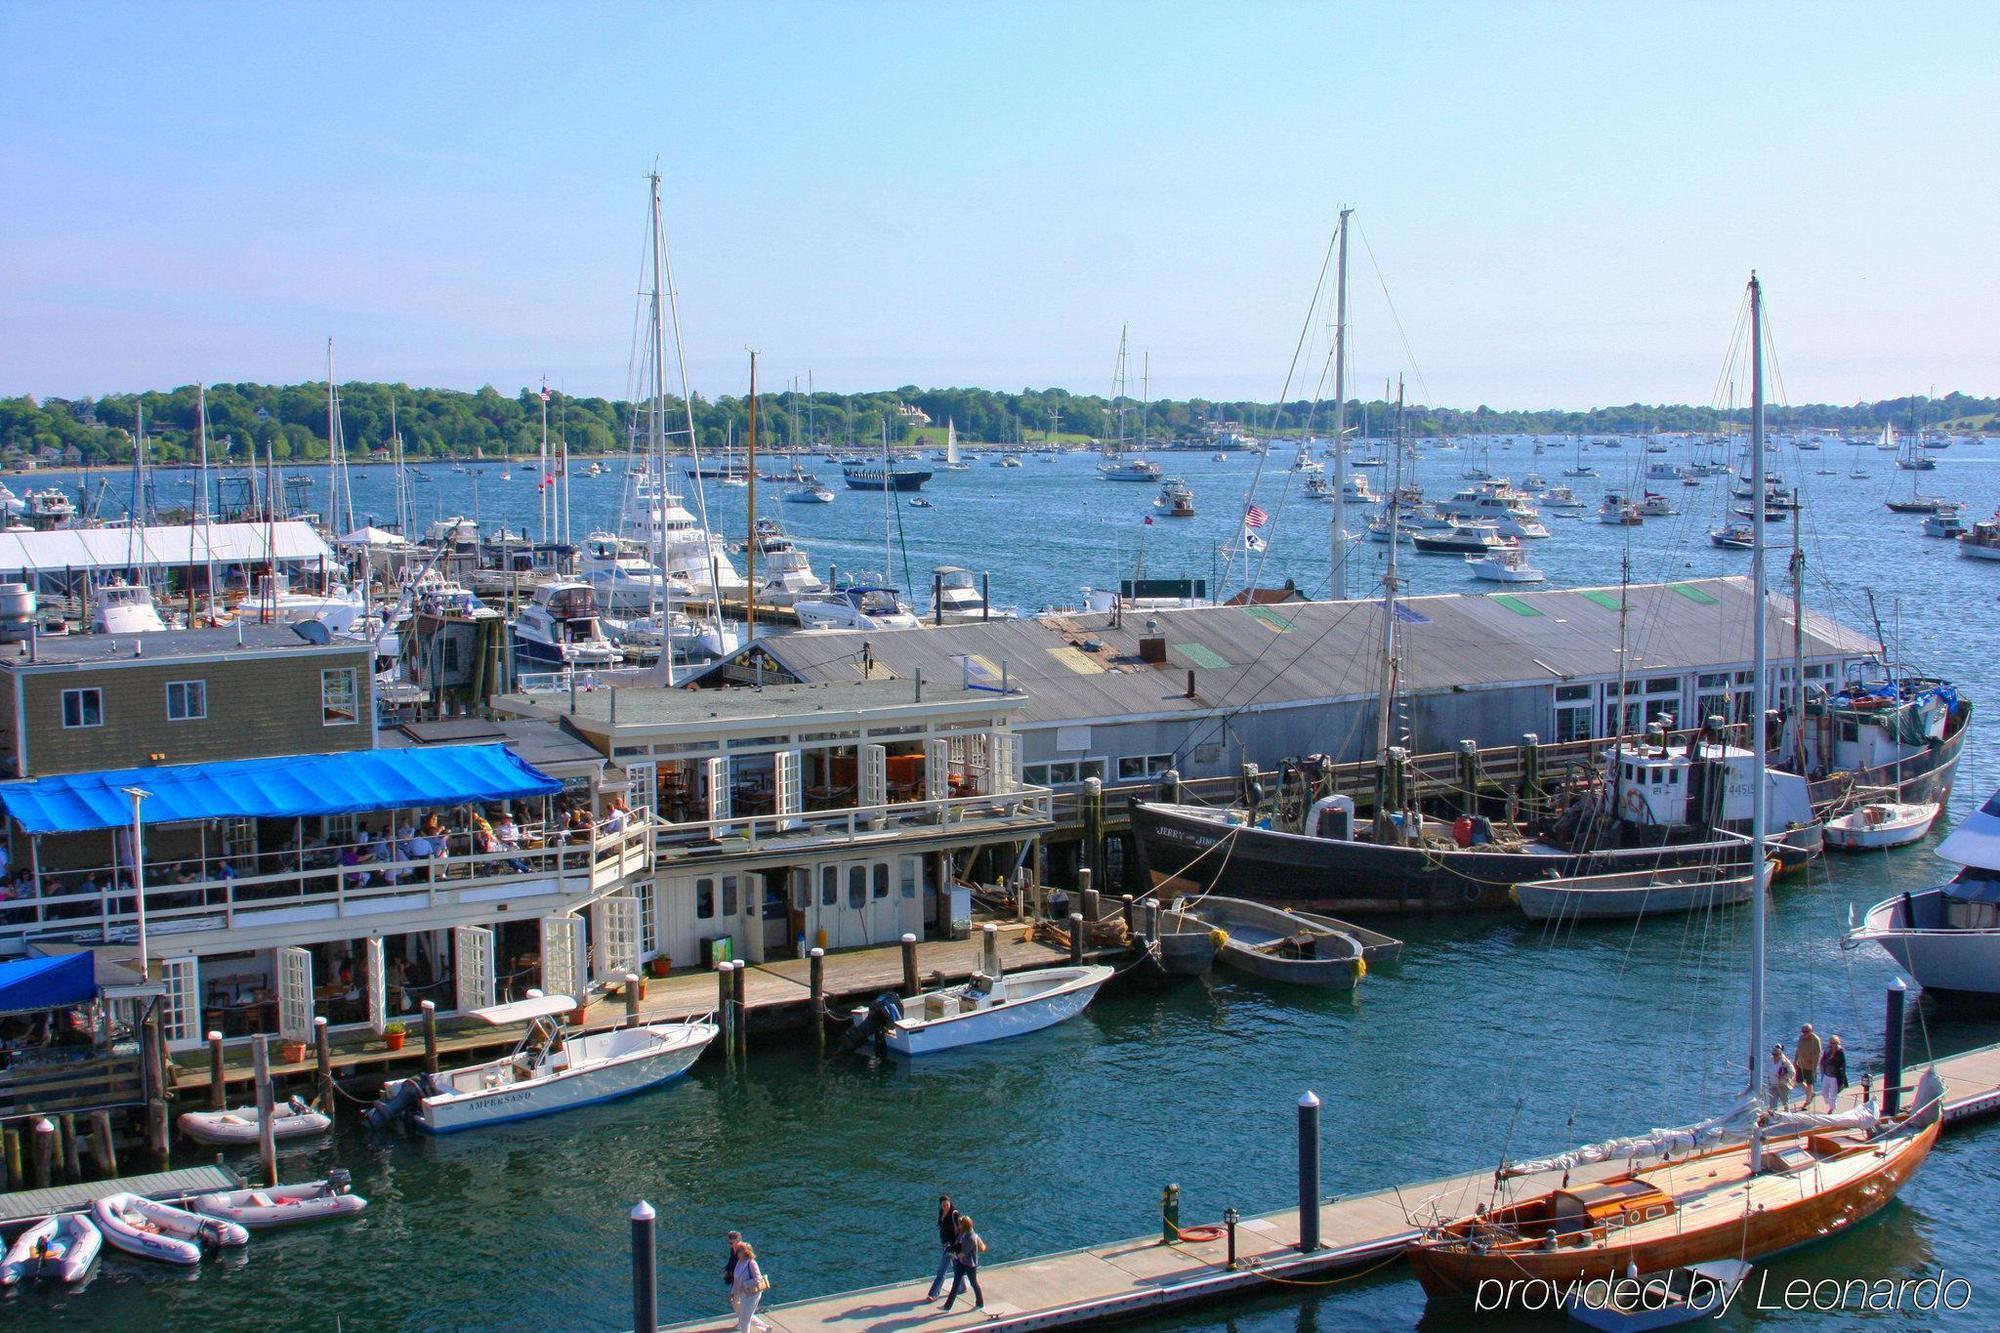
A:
x: 659, y: 965
x: 581, y: 1014
x: 291, y: 1052
x: 393, y: 1036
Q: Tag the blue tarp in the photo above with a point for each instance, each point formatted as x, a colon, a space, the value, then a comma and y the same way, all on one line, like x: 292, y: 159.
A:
x: 291, y: 787
x: 47, y: 983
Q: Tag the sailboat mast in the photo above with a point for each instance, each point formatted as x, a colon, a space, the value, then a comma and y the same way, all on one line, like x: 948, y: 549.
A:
x: 657, y: 441
x: 750, y: 499
x: 1338, y: 584
x: 1798, y: 696
x: 332, y: 448
x: 1759, y: 696
x: 1388, y: 694
x: 542, y: 482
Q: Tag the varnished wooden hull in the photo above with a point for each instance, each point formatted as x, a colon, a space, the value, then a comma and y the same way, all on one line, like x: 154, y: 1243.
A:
x: 1453, y: 1272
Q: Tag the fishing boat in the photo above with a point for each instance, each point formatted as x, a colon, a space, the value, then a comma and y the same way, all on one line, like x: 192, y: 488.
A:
x: 236, y: 1128
x: 283, y: 1205
x: 1881, y: 824
x: 989, y: 1008
x: 1505, y: 564
x: 1948, y: 937
x: 1983, y: 542
x: 1944, y: 522
x: 1638, y: 1303
x: 1746, y: 1183
x: 61, y: 1247
x: 150, y: 1230
x: 1277, y: 945
x: 549, y: 1070
x: 1633, y: 893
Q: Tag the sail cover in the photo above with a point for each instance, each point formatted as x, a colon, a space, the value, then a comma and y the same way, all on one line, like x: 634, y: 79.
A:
x: 1732, y: 1126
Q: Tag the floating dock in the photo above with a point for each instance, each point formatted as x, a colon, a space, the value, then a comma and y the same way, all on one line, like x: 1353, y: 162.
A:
x: 24, y: 1206
x: 1129, y: 1278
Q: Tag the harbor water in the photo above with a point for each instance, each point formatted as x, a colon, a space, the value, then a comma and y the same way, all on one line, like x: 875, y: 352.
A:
x: 1493, y: 1036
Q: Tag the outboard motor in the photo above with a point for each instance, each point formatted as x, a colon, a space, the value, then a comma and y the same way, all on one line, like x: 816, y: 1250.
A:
x: 395, y: 1105
x: 873, y: 1023
x: 339, y: 1181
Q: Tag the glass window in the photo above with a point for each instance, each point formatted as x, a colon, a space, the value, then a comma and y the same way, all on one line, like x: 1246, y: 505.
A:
x: 187, y: 700
x: 83, y: 708
x: 829, y: 886
x: 730, y: 905
x: 1035, y: 775
x: 1133, y: 766
x: 857, y: 886
x: 909, y: 877
x: 802, y: 889
x: 1712, y: 680
x: 881, y: 880
x: 704, y: 898
x: 1569, y: 694
x: 339, y: 701
x: 1663, y: 685
x: 1573, y: 724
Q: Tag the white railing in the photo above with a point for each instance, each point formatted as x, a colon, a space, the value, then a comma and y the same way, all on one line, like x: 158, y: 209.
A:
x: 850, y: 822
x: 585, y: 680
x: 366, y: 889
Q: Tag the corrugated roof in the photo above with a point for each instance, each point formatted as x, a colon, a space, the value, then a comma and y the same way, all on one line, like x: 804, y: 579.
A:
x: 1329, y: 650
x: 158, y: 547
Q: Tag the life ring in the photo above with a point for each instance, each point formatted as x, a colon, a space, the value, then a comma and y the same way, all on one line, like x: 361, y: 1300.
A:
x: 1635, y: 803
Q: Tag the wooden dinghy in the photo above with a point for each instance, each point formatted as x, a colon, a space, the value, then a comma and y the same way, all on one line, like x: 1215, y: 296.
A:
x: 1277, y: 945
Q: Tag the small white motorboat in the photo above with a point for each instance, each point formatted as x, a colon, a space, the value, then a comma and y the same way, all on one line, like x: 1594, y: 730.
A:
x: 1880, y: 824
x: 988, y: 1008
x: 1505, y: 564
x: 60, y: 1247
x: 238, y: 1127
x: 161, y: 1231
x: 548, y: 1071
x: 284, y: 1205
x: 1637, y: 1302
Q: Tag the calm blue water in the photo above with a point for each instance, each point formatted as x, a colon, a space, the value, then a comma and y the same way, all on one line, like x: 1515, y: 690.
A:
x: 1490, y: 1037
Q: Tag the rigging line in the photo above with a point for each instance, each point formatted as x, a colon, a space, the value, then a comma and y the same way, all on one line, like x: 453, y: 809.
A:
x: 1395, y: 318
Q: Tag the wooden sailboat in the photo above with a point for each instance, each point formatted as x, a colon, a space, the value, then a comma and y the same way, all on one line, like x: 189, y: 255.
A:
x: 1748, y: 1183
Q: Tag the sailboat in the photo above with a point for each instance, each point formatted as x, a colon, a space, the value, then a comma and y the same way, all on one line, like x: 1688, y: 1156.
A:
x: 1913, y: 462
x: 1742, y: 1185
x: 1115, y: 466
x: 952, y: 462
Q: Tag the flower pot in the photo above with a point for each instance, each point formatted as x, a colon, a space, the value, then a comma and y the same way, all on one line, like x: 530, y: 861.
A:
x: 394, y: 1040
x: 580, y: 1015
x: 659, y: 967
x: 291, y: 1052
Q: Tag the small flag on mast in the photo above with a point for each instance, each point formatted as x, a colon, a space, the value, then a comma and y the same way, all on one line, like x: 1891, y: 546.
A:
x: 1253, y: 518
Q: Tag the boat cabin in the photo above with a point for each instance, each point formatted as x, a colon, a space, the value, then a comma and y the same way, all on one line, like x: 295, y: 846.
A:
x: 1610, y: 1204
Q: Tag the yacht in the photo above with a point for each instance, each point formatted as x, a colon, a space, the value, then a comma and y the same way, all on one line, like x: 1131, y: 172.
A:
x: 1561, y: 497
x: 1948, y: 937
x: 1654, y: 505
x: 1618, y: 512
x: 337, y: 606
x: 674, y: 630
x: 1734, y: 536
x: 856, y: 607
x: 50, y: 508
x: 1457, y: 538
x: 809, y: 493
x: 1944, y: 523
x: 620, y: 574
x: 559, y: 628
x: 1305, y: 464
x: 1497, y: 503
x: 1128, y: 469
x: 689, y: 553
x: 1504, y: 564
x: 1176, y: 499
x: 1983, y: 542
x: 125, y: 608
x: 1008, y: 460
x: 956, y: 598
x: 785, y: 574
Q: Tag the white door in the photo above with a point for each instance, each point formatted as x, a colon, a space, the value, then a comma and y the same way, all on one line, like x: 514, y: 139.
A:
x: 884, y: 917
x: 718, y: 794
x: 910, y: 872
x: 790, y: 798
x: 1006, y: 750
x: 679, y: 935
x: 642, y: 795
x: 937, y: 770
x: 180, y: 1010
x: 619, y: 916
x: 378, y: 984
x: 874, y: 779
x: 295, y: 994
x: 562, y: 938
x: 472, y: 958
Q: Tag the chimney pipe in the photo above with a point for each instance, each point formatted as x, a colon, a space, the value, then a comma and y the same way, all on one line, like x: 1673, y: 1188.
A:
x: 1190, y: 689
x: 920, y: 685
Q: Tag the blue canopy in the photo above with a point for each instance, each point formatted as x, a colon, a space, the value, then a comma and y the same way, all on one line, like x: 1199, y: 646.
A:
x: 47, y: 983
x: 286, y: 788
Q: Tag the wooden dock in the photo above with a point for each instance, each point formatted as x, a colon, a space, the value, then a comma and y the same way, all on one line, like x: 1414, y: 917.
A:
x: 30, y: 1205
x: 1128, y: 1278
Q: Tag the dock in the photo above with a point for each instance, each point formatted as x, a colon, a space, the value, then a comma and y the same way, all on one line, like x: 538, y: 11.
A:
x: 1127, y: 1278
x: 32, y: 1205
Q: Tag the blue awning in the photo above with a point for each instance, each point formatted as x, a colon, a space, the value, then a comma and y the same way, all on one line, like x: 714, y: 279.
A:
x: 287, y: 788
x: 47, y: 983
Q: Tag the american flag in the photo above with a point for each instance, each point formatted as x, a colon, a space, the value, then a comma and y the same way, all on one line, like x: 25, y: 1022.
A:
x: 1253, y: 517
x: 545, y: 393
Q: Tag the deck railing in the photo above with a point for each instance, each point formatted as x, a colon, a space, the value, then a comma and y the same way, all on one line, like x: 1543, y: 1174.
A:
x: 946, y: 814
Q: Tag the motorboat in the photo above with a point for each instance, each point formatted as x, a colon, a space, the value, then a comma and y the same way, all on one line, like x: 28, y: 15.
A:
x: 1948, y: 937
x: 787, y: 575
x: 559, y: 629
x: 1878, y: 825
x: 61, y: 1247
x: 236, y: 1128
x: 1983, y: 542
x: 919, y: 502
x: 684, y: 635
x: 335, y: 605
x: 618, y: 570
x: 1633, y: 893
x: 1654, y: 505
x: 956, y: 598
x: 125, y: 608
x: 1641, y: 1302
x: 1561, y: 497
x: 549, y: 1071
x: 1944, y: 523
x: 1618, y: 512
x: 1276, y: 945
x: 1734, y: 536
x: 283, y: 1205
x: 809, y: 493
x: 1128, y: 469
x: 50, y: 508
x: 1008, y: 460
x: 150, y: 1230
x: 989, y: 1008
x: 674, y: 538
x: 1457, y: 538
x: 857, y: 606
x: 1504, y: 564
x: 1497, y: 503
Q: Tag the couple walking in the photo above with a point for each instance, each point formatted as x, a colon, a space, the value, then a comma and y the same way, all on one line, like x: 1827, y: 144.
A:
x: 746, y: 1282
x: 961, y: 1247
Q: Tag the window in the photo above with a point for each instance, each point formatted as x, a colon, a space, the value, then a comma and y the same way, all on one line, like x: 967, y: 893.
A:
x: 857, y: 886
x: 1065, y: 773
x: 1569, y: 694
x: 704, y: 898
x: 187, y: 700
x: 339, y: 701
x: 881, y: 880
x: 829, y: 886
x: 909, y: 877
x: 83, y: 708
x: 1712, y: 680
x: 729, y: 904
x: 1133, y: 766
x: 648, y: 923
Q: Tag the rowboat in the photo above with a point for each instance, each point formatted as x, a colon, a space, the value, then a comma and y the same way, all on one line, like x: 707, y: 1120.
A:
x: 989, y: 1008
x: 292, y: 1120
x: 1187, y: 944
x: 1657, y: 1300
x: 60, y: 1247
x: 1377, y: 949
x: 283, y: 1205
x: 160, y: 1231
x: 1633, y: 893
x: 1277, y: 945
x: 1880, y: 824
x: 547, y: 1072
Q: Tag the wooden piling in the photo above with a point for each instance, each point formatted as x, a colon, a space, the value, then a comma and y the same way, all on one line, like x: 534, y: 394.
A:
x: 1093, y: 904
x: 158, y: 1143
x: 723, y: 996
x: 430, y: 1013
x: 42, y: 1172
x: 1129, y: 904
x: 267, y: 1143
x: 103, y: 1147
x: 631, y: 999
x: 216, y: 1091
x: 1076, y: 938
x: 816, y: 983
x: 909, y: 966
x: 17, y: 1175
x: 72, y: 1153
x: 323, y: 1062
x: 739, y: 983
x: 1468, y: 777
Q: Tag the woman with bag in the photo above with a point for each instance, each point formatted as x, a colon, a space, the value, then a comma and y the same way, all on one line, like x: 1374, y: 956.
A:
x: 965, y: 1264
x: 748, y: 1285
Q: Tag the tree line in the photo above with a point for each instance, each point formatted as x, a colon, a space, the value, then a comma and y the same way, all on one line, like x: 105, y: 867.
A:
x: 290, y: 422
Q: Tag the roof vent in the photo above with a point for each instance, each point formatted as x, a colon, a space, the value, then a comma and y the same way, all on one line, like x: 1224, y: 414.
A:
x: 1153, y: 651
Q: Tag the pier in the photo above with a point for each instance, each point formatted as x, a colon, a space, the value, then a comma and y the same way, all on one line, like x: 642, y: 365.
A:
x: 1121, y: 1279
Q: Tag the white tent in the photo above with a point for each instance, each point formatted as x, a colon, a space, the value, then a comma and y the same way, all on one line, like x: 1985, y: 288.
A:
x: 372, y: 536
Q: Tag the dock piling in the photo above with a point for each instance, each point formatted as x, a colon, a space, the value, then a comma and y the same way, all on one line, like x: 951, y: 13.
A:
x: 1076, y: 939
x: 10, y: 1142
x: 722, y: 999
x: 103, y: 1147
x: 157, y: 1142
x: 909, y: 966
x: 645, y: 1270
x: 1230, y: 1217
x: 816, y: 982
x: 1892, y: 1048
x: 631, y: 999
x: 739, y: 984
x: 72, y: 1157
x: 43, y: 1168
x: 430, y: 1013
x: 323, y: 1064
x: 267, y: 1143
x: 989, y: 950
x: 216, y: 1093
x: 1130, y: 906
x: 1308, y: 1173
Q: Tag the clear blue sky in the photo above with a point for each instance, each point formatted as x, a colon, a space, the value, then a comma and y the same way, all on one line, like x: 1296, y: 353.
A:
x: 1564, y: 200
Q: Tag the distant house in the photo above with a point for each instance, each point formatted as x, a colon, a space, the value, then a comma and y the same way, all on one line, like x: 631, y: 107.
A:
x: 913, y: 414
x: 72, y: 456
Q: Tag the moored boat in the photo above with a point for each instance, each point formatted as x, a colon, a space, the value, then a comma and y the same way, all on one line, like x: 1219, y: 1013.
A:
x: 283, y: 1205
x: 1880, y: 824
x: 236, y: 1127
x: 1277, y: 945
x: 1633, y: 893
x: 1948, y: 937
x: 61, y: 1247
x: 160, y: 1231
x: 988, y: 1008
x: 1644, y: 1301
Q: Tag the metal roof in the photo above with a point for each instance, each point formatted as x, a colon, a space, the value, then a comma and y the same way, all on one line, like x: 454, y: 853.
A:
x: 70, y: 649
x: 1083, y: 667
x: 653, y: 706
x: 156, y: 547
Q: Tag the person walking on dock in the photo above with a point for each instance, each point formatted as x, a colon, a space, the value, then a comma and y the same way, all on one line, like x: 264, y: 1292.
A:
x: 965, y: 1264
x: 947, y: 1229
x: 1832, y: 1074
x: 747, y: 1287
x: 1805, y: 1060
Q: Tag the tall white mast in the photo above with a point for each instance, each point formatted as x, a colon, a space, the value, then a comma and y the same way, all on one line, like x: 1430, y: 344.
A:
x: 332, y: 448
x: 657, y: 442
x: 1338, y: 586
x: 664, y: 262
x: 1386, y: 701
x: 1759, y: 701
x: 542, y: 487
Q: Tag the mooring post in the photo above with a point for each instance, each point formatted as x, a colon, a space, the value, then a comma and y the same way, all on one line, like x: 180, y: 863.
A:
x: 10, y: 1143
x: 45, y: 1153
x: 1230, y: 1217
x: 1153, y: 919
x: 1892, y: 1048
x: 739, y: 982
x: 1170, y: 1215
x: 909, y: 966
x: 1093, y: 828
x: 1076, y: 939
x: 645, y: 1271
x: 430, y: 1013
x: 1130, y: 906
x: 1468, y: 777
x: 267, y: 1141
x: 72, y: 1159
x: 631, y: 999
x: 722, y: 1015
x: 103, y: 1147
x: 1308, y: 1173
x: 816, y: 981
x: 157, y: 1141
x: 989, y: 950
x: 323, y: 1063
x: 217, y: 1095
x: 1531, y: 774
